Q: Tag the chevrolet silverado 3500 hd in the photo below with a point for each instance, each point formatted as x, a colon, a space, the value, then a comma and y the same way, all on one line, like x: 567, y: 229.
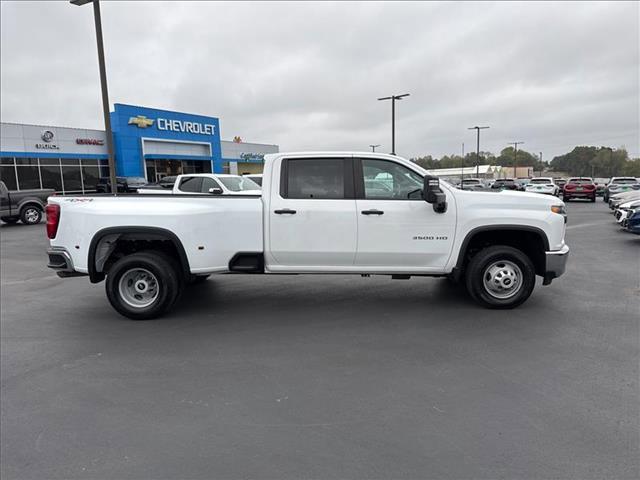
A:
x: 319, y: 212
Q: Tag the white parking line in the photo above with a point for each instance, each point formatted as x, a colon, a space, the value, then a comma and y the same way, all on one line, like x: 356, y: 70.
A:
x: 589, y: 224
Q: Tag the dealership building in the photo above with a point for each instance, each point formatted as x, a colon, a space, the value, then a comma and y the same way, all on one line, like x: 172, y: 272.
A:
x: 147, y: 142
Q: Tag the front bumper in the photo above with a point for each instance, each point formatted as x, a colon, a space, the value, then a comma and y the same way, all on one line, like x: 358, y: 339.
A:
x: 555, y: 264
x: 61, y: 262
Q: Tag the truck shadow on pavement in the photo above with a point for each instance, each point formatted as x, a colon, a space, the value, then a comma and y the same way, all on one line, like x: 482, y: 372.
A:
x: 226, y: 299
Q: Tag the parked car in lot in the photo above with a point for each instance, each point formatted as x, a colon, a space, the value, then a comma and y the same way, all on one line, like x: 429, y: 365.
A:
x: 522, y: 182
x: 123, y: 184
x: 505, y: 184
x: 543, y: 185
x: 625, y: 210
x: 579, y: 187
x: 316, y: 215
x: 24, y: 205
x: 560, y: 182
x: 475, y: 184
x: 620, y: 185
x: 209, y: 184
x: 619, y: 198
x: 166, y: 182
x: 601, y: 184
x: 633, y: 222
x: 256, y: 177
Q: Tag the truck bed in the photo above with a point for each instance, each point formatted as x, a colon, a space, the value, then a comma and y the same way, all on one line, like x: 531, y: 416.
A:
x: 211, y: 228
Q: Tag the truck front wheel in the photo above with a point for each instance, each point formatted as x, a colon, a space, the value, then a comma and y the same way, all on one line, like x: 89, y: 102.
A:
x: 500, y: 277
x: 143, y: 285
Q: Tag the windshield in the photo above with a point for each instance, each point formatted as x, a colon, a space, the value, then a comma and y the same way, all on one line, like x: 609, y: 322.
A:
x: 624, y: 181
x: 540, y: 180
x: 136, y: 180
x: 239, y: 184
x: 474, y: 182
x: 581, y: 181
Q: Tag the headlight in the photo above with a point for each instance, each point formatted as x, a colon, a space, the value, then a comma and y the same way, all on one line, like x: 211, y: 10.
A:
x: 559, y: 209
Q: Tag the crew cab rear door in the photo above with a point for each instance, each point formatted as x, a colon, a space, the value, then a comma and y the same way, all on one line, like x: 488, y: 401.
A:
x: 5, y: 200
x: 312, y: 217
x: 397, y: 229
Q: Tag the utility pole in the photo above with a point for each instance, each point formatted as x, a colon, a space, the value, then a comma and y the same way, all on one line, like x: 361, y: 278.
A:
x: 541, y: 163
x: 373, y: 147
x: 393, y: 99
x: 477, y: 129
x: 515, y: 157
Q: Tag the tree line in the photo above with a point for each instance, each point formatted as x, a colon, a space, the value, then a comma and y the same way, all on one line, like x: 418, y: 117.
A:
x: 581, y: 161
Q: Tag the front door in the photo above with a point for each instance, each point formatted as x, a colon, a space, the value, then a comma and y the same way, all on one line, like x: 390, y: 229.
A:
x: 312, y: 220
x: 397, y: 229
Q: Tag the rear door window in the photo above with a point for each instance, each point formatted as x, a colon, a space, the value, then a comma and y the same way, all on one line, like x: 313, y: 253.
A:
x: 315, y: 178
x: 208, y: 183
x: 191, y: 185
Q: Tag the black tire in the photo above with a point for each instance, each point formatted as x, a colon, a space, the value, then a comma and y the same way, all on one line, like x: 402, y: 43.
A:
x: 197, y: 279
x: 605, y: 199
x: 593, y: 199
x: 500, y: 259
x: 31, y: 214
x: 160, y: 271
x: 10, y: 220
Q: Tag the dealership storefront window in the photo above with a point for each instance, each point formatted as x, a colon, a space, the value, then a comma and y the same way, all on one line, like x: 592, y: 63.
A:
x: 156, y: 169
x: 64, y: 175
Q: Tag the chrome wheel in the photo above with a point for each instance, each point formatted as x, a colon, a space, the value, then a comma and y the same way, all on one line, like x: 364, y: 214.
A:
x: 138, y: 287
x: 32, y: 215
x: 502, y: 279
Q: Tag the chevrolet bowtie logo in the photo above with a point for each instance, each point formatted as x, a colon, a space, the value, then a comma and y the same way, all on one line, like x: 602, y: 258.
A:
x: 141, y: 121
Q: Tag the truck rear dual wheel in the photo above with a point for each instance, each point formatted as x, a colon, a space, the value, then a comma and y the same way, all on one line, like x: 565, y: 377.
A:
x: 500, y: 277
x: 143, y: 285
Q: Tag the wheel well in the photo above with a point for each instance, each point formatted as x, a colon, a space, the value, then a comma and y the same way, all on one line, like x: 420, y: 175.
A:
x: 30, y: 203
x: 110, y: 245
x: 532, y: 242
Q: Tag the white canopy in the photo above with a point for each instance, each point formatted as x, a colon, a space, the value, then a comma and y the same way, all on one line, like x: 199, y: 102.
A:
x: 482, y: 171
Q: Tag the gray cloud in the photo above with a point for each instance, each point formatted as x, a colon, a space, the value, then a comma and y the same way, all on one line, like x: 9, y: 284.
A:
x: 307, y: 75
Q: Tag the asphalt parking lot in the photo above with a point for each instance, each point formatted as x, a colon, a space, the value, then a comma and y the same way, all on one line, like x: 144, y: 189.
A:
x: 327, y: 376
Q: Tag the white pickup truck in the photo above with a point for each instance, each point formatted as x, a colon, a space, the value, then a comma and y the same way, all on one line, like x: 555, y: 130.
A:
x: 319, y: 212
x: 209, y: 183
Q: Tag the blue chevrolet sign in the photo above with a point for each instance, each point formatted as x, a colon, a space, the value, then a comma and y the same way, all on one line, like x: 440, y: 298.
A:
x: 171, y: 133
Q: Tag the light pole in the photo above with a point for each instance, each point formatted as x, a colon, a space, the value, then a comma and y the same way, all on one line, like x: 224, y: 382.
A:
x: 105, y: 92
x: 462, y: 170
x: 393, y: 99
x: 477, y: 129
x: 515, y: 157
x: 373, y: 147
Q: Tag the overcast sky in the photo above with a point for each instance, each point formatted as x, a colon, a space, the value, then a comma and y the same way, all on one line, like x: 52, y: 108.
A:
x: 306, y: 75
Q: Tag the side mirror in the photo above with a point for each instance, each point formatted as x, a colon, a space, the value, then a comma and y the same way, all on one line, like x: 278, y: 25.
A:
x: 433, y: 194
x: 215, y: 191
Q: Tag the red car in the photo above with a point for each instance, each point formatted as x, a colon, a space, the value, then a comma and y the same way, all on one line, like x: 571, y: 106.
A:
x: 579, y: 187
